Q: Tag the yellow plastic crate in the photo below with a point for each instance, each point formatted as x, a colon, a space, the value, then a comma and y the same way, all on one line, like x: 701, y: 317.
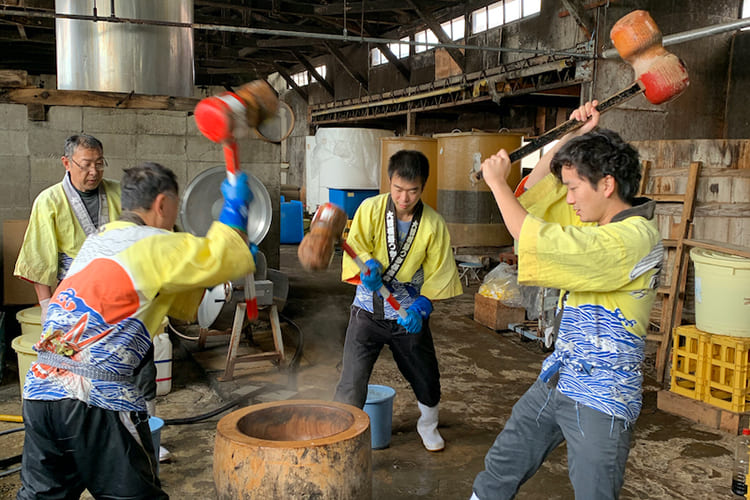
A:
x: 727, y: 363
x: 689, y: 349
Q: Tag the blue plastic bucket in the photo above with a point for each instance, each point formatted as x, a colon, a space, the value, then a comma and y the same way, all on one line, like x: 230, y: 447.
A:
x: 155, y: 425
x: 379, y: 407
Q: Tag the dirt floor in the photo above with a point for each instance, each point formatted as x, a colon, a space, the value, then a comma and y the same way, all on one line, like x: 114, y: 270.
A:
x: 483, y: 372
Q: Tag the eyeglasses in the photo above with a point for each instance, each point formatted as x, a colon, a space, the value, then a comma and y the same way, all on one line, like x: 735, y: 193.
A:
x: 88, y: 165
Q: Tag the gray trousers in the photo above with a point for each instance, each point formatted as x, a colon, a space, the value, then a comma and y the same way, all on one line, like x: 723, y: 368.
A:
x: 598, y: 446
x: 414, y: 354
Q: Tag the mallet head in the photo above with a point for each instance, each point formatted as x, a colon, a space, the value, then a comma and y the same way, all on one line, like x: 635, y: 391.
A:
x: 326, y: 228
x: 638, y: 40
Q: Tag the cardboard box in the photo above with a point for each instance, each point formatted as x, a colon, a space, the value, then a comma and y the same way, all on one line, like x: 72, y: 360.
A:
x: 493, y: 314
x: 15, y: 290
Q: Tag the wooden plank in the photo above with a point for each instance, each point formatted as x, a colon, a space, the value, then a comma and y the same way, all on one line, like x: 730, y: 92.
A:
x: 705, y: 172
x: 703, y: 413
x: 712, y: 228
x: 51, y: 97
x: 697, y: 411
x: 668, y: 198
x: 13, y: 78
x: 741, y: 188
x: 718, y: 246
x: 739, y: 232
x: 715, y: 189
x: 733, y: 153
x: 709, y: 210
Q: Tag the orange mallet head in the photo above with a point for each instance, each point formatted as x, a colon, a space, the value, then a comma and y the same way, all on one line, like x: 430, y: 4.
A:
x: 638, y: 40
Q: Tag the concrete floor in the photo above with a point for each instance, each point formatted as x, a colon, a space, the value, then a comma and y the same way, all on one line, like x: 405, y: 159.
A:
x: 483, y: 373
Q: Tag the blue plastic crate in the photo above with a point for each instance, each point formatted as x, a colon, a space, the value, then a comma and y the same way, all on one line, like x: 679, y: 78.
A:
x: 350, y: 199
x: 292, y: 230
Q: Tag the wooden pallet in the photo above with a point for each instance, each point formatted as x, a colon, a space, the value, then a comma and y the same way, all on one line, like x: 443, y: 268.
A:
x: 702, y: 413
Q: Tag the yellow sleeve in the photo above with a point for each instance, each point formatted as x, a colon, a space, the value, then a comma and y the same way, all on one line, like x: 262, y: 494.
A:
x: 591, y: 259
x: 113, y: 191
x: 361, y: 239
x: 179, y: 265
x: 441, y: 279
x: 185, y: 305
x: 546, y: 200
x: 38, y: 257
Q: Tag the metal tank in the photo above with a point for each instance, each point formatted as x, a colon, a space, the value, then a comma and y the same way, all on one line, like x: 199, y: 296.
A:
x: 125, y: 56
x: 427, y: 146
x: 468, y: 207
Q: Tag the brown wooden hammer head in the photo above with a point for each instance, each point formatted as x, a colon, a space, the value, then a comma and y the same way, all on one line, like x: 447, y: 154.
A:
x: 316, y: 249
x: 638, y: 40
x: 260, y: 99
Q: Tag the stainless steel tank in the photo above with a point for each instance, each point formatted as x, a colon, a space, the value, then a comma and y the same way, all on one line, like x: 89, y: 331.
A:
x: 126, y: 56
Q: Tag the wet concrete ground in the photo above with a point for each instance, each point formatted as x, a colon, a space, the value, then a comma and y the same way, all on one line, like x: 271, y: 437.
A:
x: 483, y: 372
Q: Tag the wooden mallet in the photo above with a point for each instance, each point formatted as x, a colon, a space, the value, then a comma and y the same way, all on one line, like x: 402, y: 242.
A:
x: 316, y: 249
x: 659, y: 75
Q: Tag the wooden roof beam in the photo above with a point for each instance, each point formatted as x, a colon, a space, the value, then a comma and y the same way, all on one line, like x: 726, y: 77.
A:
x: 357, y: 7
x: 285, y: 75
x: 400, y: 66
x: 311, y: 69
x: 578, y: 11
x: 339, y: 56
x: 441, y: 35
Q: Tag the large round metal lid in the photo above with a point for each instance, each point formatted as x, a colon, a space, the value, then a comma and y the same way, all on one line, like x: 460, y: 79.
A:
x: 202, y: 202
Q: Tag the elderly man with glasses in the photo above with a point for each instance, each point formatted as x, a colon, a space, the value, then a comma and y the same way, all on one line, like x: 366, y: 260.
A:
x: 64, y: 214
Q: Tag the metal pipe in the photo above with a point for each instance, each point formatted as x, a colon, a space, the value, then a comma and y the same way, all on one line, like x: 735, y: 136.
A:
x: 394, y: 100
x: 695, y: 34
x: 263, y: 31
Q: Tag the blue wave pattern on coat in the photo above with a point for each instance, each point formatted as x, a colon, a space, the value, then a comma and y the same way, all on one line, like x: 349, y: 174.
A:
x: 599, y: 361
x: 126, y: 344
x: 404, y: 293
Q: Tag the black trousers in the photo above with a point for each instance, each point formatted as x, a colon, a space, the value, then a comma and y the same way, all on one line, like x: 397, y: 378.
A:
x: 414, y: 354
x: 70, y: 446
x: 145, y: 375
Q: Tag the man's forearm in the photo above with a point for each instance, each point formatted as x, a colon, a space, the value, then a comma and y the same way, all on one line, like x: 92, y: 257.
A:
x: 42, y: 291
x: 513, y: 212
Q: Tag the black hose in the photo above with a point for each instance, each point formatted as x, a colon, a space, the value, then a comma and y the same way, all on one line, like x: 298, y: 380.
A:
x: 291, y: 383
x: 294, y: 363
x: 235, y: 402
x: 5, y: 462
x: 292, y: 367
x: 10, y: 471
x: 11, y: 431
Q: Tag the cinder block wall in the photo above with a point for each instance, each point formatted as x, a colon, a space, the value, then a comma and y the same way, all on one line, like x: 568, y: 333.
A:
x: 30, y: 153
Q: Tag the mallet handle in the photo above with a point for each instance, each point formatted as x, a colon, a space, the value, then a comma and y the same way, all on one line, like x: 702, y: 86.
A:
x: 570, y: 125
x: 231, y: 158
x: 383, y: 289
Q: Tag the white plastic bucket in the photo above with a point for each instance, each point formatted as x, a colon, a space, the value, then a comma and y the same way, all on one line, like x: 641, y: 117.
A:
x: 722, y: 293
x: 163, y: 362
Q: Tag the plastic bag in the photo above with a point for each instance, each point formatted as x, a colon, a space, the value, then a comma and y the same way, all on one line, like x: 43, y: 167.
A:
x: 502, y: 284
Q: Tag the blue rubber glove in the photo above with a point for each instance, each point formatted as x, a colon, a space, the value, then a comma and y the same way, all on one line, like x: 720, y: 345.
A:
x: 237, y: 197
x: 374, y: 280
x: 417, y: 313
x: 254, y: 249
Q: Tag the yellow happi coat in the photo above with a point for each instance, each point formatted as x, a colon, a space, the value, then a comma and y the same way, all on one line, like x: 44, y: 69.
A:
x: 431, y: 249
x: 54, y: 235
x: 608, y: 276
